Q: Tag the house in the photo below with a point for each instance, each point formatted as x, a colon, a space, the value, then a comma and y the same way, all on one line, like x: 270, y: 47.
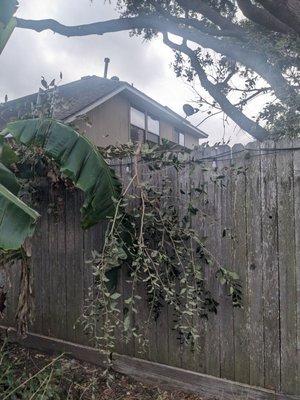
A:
x: 110, y: 111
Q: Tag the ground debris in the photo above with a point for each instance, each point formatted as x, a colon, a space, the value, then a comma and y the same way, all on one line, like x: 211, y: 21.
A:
x: 28, y: 374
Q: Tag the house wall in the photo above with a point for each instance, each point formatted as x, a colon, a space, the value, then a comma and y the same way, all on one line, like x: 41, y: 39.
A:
x: 109, y: 124
x: 191, y: 141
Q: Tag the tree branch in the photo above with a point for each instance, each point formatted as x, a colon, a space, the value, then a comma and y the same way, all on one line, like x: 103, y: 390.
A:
x: 245, y: 55
x: 209, y: 13
x: 262, y: 17
x: 287, y: 11
x: 235, y: 114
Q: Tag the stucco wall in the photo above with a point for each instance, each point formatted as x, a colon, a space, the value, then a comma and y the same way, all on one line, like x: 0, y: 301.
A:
x: 109, y: 124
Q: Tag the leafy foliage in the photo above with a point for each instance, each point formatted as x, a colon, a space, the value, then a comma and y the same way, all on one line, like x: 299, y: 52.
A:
x: 165, y: 258
x: 224, y: 20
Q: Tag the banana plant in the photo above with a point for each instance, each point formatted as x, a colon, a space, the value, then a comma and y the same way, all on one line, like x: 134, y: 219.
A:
x: 7, y: 20
x: 77, y: 158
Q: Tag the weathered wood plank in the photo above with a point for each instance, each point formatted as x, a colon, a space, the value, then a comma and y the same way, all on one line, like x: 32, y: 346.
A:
x: 208, y: 387
x: 239, y: 261
x: 162, y: 180
x: 255, y: 267
x: 287, y: 266
x: 45, y: 259
x: 296, y: 146
x: 198, y: 223
x: 213, y: 234
x: 224, y: 181
x: 270, y: 266
x: 74, y: 297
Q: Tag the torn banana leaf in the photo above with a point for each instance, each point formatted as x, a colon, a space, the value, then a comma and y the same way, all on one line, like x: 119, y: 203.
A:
x: 78, y: 159
x: 5, y: 33
x: 17, y: 220
x: 8, y: 179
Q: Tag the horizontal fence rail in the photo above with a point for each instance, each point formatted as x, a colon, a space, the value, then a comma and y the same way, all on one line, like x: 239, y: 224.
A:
x: 249, y: 210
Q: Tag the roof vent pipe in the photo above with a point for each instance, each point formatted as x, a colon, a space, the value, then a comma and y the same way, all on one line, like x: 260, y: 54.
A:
x: 106, y: 62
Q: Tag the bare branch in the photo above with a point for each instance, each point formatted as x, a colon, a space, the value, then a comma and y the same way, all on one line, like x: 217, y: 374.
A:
x: 234, y: 113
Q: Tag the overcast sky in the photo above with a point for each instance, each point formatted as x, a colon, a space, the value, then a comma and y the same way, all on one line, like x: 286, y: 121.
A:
x: 29, y: 55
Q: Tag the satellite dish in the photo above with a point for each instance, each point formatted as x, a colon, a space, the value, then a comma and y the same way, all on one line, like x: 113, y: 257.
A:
x: 189, y: 110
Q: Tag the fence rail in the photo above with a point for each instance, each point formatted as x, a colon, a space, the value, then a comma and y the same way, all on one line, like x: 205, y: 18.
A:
x: 252, y: 208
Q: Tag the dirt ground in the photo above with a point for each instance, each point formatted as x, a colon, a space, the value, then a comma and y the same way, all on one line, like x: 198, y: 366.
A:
x: 27, y: 374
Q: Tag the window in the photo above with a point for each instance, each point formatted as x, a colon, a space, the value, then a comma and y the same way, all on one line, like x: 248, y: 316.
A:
x: 152, y: 129
x: 138, y: 126
x: 153, y: 125
x: 152, y: 137
x: 179, y: 137
x: 137, y: 118
x: 181, y: 140
x: 137, y: 135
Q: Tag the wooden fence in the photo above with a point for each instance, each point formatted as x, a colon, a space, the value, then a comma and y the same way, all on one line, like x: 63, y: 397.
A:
x: 252, y: 202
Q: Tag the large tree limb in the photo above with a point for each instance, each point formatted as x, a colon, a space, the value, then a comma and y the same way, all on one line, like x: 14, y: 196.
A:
x: 287, y: 11
x: 209, y: 13
x: 262, y: 17
x: 243, y: 54
x: 234, y: 113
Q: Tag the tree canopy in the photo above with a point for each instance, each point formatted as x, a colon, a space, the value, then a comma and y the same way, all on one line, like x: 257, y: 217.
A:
x: 237, y: 49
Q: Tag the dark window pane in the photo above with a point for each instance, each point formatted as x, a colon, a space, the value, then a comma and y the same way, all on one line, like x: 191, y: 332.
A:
x: 137, y: 135
x: 151, y: 137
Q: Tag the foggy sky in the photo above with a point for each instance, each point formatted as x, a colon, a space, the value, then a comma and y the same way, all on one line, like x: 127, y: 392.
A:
x: 28, y: 55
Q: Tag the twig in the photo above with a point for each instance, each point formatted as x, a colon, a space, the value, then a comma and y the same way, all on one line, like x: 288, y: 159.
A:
x: 32, y: 377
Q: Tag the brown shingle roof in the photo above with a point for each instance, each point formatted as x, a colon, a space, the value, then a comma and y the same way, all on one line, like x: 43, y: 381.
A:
x: 74, y: 96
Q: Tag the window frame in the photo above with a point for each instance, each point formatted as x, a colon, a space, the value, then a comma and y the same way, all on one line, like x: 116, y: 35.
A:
x: 181, y: 135
x: 141, y: 112
x: 146, y: 130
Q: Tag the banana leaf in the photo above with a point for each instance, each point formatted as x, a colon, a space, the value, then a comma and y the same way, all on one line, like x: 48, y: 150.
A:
x: 7, y: 155
x: 78, y: 159
x: 7, y: 10
x: 17, y: 220
x: 5, y: 33
x: 7, y: 21
x: 8, y: 179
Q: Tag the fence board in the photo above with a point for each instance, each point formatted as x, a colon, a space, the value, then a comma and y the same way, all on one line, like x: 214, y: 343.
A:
x: 225, y: 309
x: 270, y: 266
x: 255, y: 270
x: 198, y: 224
x: 287, y: 266
x: 213, y: 234
x: 296, y: 145
x: 239, y: 262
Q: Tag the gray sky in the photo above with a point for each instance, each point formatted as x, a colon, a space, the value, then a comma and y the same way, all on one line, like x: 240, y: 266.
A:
x: 29, y: 55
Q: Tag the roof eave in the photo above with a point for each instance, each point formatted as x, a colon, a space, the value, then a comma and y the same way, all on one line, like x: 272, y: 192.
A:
x: 126, y: 87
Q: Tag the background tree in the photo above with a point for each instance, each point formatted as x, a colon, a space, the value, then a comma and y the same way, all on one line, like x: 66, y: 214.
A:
x: 237, y: 49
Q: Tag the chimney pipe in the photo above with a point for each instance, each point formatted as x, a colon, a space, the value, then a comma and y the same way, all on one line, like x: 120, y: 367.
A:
x: 106, y: 62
